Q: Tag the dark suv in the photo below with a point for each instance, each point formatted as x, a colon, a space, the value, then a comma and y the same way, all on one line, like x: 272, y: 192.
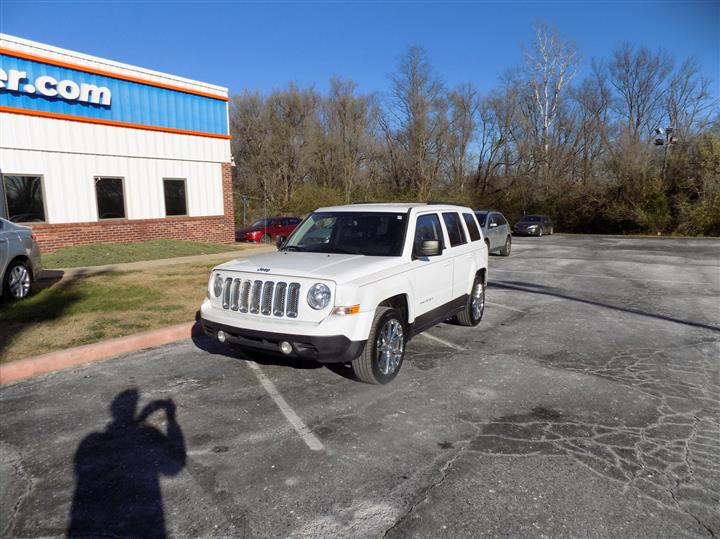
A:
x: 270, y: 230
x: 534, y: 225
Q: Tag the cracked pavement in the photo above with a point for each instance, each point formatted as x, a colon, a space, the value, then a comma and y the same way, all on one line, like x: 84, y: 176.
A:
x: 587, y: 403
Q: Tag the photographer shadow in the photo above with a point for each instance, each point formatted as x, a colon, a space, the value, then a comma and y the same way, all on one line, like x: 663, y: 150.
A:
x: 118, y: 472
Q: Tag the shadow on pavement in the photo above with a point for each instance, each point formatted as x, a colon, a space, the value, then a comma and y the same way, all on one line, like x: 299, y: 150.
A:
x: 533, y: 288
x: 117, y: 492
x: 210, y: 345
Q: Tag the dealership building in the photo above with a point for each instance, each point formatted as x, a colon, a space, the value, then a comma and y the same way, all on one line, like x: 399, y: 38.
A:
x: 92, y: 150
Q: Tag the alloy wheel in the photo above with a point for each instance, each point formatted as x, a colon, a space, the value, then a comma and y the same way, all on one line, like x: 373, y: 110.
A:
x: 478, y: 301
x: 19, y: 283
x: 390, y: 345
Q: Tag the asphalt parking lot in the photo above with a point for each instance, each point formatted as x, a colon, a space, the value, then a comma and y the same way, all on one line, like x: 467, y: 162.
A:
x: 586, y: 403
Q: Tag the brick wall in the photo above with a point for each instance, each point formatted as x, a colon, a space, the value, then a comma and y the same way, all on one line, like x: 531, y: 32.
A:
x: 215, y: 229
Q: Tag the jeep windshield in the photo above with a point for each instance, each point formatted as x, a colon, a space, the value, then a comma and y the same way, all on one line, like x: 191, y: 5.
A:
x: 357, y: 233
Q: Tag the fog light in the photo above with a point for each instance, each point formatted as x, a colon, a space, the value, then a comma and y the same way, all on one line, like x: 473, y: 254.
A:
x: 285, y: 347
x: 221, y: 336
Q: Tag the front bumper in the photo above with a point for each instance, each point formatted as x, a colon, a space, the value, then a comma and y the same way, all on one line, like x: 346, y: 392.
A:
x: 325, y: 349
x: 526, y: 232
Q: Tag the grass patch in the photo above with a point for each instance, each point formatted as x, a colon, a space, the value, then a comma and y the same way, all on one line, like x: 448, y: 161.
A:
x: 100, y: 254
x: 88, y: 309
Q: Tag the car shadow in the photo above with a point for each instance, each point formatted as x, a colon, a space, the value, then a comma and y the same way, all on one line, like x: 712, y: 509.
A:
x: 533, y: 288
x: 58, y: 296
x: 212, y: 346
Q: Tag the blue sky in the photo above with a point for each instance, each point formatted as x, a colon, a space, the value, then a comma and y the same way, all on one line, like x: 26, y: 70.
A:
x: 265, y: 45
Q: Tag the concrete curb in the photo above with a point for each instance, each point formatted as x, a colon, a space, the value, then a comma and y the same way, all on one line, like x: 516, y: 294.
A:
x: 55, y: 361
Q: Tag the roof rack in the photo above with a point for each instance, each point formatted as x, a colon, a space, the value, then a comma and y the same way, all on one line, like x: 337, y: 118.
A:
x: 438, y: 202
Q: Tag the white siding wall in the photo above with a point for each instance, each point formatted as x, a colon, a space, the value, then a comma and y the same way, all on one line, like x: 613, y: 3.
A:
x: 68, y: 183
x: 28, y: 132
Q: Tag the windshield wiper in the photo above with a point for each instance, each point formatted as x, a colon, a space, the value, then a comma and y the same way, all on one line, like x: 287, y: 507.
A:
x: 292, y: 248
x: 342, y: 251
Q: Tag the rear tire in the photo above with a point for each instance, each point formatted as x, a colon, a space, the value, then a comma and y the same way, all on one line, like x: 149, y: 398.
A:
x: 505, y: 251
x: 384, y: 351
x: 473, y: 311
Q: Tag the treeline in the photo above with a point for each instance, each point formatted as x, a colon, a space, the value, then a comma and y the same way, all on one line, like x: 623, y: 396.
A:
x: 585, y: 152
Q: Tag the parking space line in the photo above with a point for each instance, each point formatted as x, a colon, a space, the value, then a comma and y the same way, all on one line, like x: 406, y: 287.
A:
x: 441, y: 341
x: 504, y: 307
x: 563, y: 274
x: 302, y: 429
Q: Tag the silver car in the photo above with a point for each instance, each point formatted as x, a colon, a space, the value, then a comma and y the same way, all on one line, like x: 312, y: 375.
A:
x: 496, y: 230
x: 19, y: 259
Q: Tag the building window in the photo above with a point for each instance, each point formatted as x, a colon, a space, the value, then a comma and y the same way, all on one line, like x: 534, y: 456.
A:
x: 110, y: 198
x: 175, y: 197
x: 24, y: 196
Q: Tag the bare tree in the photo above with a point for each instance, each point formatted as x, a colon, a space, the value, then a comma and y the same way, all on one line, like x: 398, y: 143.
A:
x: 346, y: 147
x: 415, y: 124
x: 464, y: 106
x: 639, y: 77
x: 550, y: 65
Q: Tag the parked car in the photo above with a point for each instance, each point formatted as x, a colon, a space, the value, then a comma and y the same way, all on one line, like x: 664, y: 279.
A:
x: 19, y: 260
x: 352, y: 285
x: 534, y: 225
x: 496, y: 230
x: 270, y: 230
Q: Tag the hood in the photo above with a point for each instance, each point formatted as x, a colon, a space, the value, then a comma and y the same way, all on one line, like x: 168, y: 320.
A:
x: 332, y: 267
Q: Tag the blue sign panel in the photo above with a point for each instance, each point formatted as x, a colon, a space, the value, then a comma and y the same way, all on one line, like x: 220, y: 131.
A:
x: 45, y: 88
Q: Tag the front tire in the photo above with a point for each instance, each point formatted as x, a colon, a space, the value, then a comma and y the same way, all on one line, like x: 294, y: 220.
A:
x: 473, y: 311
x: 18, y: 280
x: 540, y: 233
x: 384, y: 352
x: 505, y: 251
x: 266, y: 239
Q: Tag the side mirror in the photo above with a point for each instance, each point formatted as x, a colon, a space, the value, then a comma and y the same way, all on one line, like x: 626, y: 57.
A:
x: 429, y: 248
x: 493, y: 225
x: 279, y: 240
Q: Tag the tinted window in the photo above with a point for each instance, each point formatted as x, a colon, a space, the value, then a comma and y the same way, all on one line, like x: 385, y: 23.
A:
x: 364, y: 233
x: 481, y: 217
x: 471, y: 226
x: 427, y: 228
x: 24, y: 198
x: 500, y: 219
x: 454, y: 228
x: 110, y: 198
x: 530, y: 219
x: 294, y: 221
x: 175, y: 201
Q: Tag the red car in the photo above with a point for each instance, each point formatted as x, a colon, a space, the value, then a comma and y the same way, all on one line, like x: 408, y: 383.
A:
x: 268, y: 230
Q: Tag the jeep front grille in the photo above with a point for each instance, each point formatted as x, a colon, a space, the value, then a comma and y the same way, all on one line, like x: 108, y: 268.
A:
x: 258, y: 297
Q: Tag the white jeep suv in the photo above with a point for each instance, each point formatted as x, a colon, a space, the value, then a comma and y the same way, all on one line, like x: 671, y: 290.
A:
x: 352, y: 284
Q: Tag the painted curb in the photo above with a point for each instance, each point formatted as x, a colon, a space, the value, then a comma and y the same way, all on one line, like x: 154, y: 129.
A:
x: 89, y: 353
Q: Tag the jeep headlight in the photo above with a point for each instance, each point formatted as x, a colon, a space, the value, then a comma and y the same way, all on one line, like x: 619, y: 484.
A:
x: 217, y: 285
x: 318, y: 296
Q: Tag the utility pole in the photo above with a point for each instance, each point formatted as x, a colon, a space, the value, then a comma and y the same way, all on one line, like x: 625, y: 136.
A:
x: 664, y: 137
